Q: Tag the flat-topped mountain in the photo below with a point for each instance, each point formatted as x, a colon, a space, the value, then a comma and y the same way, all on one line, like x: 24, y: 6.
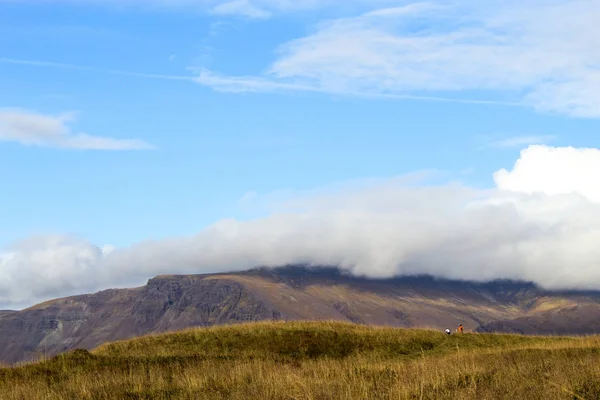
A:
x: 169, y: 303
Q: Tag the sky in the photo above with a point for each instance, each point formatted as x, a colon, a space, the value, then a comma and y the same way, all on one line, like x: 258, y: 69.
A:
x: 453, y: 138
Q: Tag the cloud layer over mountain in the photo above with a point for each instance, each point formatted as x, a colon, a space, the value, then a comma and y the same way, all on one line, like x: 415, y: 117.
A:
x: 541, y: 223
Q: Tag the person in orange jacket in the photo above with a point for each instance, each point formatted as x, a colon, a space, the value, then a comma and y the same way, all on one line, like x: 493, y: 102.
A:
x: 461, y: 329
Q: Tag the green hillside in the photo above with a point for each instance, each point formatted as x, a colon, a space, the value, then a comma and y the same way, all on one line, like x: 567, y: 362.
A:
x: 316, y: 360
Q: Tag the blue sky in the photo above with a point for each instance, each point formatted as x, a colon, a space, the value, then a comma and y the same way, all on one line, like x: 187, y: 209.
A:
x: 188, y: 109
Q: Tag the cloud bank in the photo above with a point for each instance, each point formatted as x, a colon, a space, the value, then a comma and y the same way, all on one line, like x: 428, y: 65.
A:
x: 35, y: 129
x: 541, y: 222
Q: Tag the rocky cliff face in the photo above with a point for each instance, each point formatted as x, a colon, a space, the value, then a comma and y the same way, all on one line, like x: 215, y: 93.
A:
x: 292, y: 293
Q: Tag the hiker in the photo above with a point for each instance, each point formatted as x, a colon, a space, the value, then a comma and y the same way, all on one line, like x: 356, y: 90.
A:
x: 461, y: 329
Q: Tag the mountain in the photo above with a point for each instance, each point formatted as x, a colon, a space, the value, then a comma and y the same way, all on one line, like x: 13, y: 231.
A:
x: 169, y: 303
x: 582, y: 318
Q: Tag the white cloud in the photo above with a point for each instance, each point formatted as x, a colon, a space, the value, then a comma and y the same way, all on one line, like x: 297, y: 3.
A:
x: 45, y: 267
x: 107, y: 249
x: 541, y: 222
x: 554, y: 171
x: 541, y: 53
x: 244, y: 84
x: 520, y: 141
x: 35, y: 129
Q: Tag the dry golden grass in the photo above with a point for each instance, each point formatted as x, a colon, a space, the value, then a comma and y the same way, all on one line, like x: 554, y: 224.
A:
x: 318, y: 360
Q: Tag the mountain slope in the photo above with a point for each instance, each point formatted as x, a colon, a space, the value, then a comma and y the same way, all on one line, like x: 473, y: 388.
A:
x: 90, y: 320
x: 579, y: 319
x: 169, y: 303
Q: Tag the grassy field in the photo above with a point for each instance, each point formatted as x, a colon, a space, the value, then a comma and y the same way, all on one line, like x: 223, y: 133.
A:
x: 318, y: 360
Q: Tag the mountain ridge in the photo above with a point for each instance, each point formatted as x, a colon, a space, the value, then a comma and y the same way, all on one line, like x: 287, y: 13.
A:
x: 175, y: 302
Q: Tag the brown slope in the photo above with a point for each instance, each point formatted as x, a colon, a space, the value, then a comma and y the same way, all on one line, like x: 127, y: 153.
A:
x: 293, y: 293
x: 580, y: 318
x: 165, y: 303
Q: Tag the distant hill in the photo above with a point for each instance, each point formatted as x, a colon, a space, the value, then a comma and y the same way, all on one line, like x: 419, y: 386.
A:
x: 169, y: 303
x: 582, y: 318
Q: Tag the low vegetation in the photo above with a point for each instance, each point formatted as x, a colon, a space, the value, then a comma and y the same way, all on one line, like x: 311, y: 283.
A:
x: 316, y: 360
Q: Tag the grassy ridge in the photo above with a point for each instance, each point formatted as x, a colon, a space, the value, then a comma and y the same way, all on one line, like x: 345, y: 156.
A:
x: 316, y: 360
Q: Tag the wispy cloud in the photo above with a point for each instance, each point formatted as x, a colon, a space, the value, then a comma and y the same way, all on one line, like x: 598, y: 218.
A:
x: 514, y: 52
x: 241, y: 7
x: 521, y: 141
x: 252, y: 84
x: 35, y: 129
x: 50, y: 64
x: 503, y: 53
x: 405, y: 10
x: 218, y: 27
